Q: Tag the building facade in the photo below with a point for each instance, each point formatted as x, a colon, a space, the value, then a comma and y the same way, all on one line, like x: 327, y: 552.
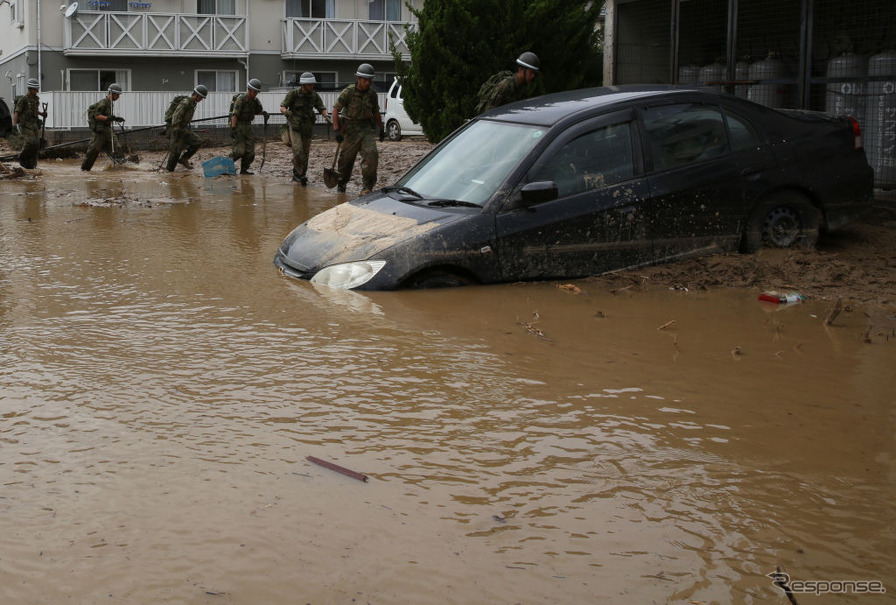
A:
x: 166, y: 47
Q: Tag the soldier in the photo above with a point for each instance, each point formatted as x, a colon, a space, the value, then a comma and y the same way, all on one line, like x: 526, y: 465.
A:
x: 26, y: 119
x: 506, y: 87
x: 362, y: 120
x: 182, y: 138
x: 100, y: 118
x: 298, y: 106
x: 245, y: 107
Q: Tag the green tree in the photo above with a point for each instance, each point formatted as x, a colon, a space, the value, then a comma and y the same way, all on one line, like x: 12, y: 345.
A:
x: 459, y: 44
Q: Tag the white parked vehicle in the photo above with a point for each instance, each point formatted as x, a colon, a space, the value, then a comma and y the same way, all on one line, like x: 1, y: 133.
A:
x: 396, y: 120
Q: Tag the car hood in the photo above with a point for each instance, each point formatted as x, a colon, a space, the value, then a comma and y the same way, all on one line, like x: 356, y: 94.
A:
x: 359, y: 230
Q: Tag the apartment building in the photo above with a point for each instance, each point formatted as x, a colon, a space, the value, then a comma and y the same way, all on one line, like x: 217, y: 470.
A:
x: 169, y: 46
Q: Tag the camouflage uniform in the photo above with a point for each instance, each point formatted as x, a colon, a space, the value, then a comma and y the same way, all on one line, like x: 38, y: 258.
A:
x: 301, y: 106
x: 182, y: 139
x: 359, y: 110
x: 501, y: 92
x: 243, y: 139
x: 102, y: 132
x: 28, y: 108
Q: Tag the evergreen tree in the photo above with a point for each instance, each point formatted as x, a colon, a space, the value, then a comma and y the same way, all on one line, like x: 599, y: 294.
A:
x: 459, y: 44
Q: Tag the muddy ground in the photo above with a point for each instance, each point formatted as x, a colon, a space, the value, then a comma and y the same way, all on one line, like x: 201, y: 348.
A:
x: 856, y: 263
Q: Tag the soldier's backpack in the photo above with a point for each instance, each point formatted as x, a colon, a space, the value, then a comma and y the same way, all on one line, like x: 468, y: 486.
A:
x: 172, y: 107
x: 233, y: 102
x: 488, y: 88
x: 91, y: 115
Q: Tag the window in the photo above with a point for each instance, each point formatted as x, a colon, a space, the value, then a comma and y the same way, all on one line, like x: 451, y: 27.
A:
x: 217, y: 81
x: 595, y: 159
x: 385, y: 10
x: 743, y: 136
x: 216, y: 7
x: 314, y: 9
x: 326, y: 80
x: 14, y: 11
x: 684, y: 133
x: 98, y: 79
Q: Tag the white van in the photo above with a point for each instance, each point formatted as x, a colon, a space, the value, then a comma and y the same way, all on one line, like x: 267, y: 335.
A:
x: 396, y: 120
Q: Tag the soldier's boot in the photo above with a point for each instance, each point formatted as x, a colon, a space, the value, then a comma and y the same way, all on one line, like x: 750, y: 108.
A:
x: 340, y: 186
x: 172, y: 162
x: 244, y: 167
x: 86, y: 165
x: 185, y: 162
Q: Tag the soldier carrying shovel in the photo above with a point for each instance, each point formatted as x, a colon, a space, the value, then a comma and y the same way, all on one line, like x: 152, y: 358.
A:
x: 299, y: 106
x: 100, y: 118
x: 26, y: 119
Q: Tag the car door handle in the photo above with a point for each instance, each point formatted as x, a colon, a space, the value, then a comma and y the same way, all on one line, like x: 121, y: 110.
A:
x: 752, y: 170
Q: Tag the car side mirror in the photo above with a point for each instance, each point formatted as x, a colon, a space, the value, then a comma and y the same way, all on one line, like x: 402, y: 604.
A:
x: 539, y: 192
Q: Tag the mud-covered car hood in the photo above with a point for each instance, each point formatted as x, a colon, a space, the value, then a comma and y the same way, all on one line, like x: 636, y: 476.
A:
x: 359, y: 230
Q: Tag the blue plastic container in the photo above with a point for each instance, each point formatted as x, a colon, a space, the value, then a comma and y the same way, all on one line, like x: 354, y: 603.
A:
x: 218, y: 166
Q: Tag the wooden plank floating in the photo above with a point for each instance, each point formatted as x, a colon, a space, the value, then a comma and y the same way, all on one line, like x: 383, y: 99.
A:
x: 339, y: 469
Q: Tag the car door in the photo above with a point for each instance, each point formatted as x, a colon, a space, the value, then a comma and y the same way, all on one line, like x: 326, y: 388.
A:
x: 596, y: 223
x: 704, y: 177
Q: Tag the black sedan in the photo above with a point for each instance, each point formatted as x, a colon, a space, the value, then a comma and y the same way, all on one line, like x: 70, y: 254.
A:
x: 588, y: 181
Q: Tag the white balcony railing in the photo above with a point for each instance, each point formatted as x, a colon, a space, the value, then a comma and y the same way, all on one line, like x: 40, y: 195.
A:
x: 156, y: 34
x: 311, y: 38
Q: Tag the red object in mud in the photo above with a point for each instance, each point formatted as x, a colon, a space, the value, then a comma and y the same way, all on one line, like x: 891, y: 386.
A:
x: 779, y: 298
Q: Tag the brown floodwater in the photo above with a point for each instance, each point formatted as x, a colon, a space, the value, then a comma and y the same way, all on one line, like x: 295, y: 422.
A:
x: 162, y: 387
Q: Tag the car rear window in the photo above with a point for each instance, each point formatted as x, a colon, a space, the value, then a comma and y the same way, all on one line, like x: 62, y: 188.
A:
x: 743, y: 135
x: 684, y: 133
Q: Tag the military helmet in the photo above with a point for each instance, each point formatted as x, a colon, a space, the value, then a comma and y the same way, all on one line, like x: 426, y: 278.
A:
x: 307, y: 78
x: 365, y: 70
x: 201, y: 90
x: 114, y: 89
x: 255, y: 84
x: 529, y: 60
x: 32, y: 83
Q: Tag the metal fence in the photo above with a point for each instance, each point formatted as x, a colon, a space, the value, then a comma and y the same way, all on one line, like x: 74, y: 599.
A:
x: 67, y: 110
x: 825, y: 55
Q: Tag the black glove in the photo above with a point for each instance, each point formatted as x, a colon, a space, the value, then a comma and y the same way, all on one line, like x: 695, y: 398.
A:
x: 118, y: 119
x: 339, y: 137
x: 265, y: 114
x: 382, y: 134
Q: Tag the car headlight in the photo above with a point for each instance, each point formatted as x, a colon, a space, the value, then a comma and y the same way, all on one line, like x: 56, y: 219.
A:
x: 348, y: 275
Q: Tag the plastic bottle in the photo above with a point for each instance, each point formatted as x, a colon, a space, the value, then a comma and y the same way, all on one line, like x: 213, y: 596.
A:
x: 781, y: 298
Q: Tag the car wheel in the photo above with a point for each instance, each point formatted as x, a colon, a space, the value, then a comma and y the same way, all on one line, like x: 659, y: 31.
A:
x: 438, y: 279
x: 393, y: 130
x: 782, y: 221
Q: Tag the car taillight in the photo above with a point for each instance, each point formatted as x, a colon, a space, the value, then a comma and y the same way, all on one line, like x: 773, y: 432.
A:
x: 856, y: 133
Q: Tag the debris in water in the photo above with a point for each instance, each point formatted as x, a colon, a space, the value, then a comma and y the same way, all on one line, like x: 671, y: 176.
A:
x: 337, y: 468
x: 668, y: 324
x: 570, y: 288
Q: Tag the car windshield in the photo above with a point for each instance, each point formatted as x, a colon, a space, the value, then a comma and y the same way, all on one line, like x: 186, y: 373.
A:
x: 471, y: 166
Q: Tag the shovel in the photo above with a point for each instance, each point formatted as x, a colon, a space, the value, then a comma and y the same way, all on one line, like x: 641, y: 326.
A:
x: 331, y: 177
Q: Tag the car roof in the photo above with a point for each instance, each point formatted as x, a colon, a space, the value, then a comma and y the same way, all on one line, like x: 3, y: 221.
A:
x: 549, y: 109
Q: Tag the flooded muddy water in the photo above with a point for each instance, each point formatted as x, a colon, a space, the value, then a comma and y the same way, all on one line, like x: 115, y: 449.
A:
x: 162, y: 387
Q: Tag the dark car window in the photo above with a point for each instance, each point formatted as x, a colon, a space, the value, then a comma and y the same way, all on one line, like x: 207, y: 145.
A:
x: 743, y: 135
x: 600, y: 157
x: 684, y: 133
